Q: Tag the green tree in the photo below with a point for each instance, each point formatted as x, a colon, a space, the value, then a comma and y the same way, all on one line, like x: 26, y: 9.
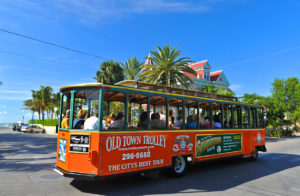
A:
x: 253, y: 98
x: 56, y: 102
x: 217, y: 90
x: 132, y: 68
x: 286, y: 94
x: 168, y: 69
x: 110, y: 73
x: 44, y: 96
x: 29, y: 106
x: 33, y: 104
x: 275, y: 115
x: 36, y: 102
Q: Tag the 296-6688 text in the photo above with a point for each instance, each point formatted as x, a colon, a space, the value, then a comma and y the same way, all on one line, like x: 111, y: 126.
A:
x: 137, y: 155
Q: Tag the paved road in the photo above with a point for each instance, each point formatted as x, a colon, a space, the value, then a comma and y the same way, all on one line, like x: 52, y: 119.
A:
x: 26, y: 169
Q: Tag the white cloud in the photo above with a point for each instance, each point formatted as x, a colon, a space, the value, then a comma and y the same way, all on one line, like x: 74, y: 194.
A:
x: 15, y: 92
x: 4, y: 112
x: 119, y: 8
x: 10, y: 98
x: 14, y: 95
x: 97, y: 11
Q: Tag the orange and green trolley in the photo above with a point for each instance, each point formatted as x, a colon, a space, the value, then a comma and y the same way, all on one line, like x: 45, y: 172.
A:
x: 193, y: 127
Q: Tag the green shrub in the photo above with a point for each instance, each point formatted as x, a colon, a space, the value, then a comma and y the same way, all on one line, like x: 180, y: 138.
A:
x: 47, y: 122
x: 286, y: 132
x: 274, y: 133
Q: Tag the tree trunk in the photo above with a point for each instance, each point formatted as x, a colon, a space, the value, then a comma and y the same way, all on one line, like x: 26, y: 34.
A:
x: 43, y: 116
x: 168, y: 79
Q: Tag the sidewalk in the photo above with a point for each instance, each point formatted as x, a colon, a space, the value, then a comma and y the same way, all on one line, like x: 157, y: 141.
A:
x: 275, y: 139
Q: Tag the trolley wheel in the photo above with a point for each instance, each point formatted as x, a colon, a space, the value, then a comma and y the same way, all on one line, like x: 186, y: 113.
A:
x: 178, y: 167
x: 254, y: 155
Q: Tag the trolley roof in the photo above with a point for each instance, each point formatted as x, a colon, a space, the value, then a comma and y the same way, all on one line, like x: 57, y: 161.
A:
x: 158, y: 88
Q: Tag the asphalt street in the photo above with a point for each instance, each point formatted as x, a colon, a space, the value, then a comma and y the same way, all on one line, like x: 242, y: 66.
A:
x: 26, y: 162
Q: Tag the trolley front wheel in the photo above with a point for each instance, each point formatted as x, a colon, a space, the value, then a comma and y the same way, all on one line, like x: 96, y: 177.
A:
x: 178, y: 167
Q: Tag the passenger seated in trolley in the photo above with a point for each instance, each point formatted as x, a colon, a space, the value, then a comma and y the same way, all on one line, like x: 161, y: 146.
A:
x: 178, y: 122
x: 66, y: 120
x: 172, y: 122
x: 162, y: 116
x: 206, y: 123
x: 217, y: 123
x: 79, y: 122
x: 143, y: 120
x: 109, y: 120
x: 190, y: 123
x: 118, y: 123
x: 157, y: 123
x: 92, y: 122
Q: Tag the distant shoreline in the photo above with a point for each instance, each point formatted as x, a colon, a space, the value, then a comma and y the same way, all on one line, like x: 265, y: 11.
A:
x: 6, y: 125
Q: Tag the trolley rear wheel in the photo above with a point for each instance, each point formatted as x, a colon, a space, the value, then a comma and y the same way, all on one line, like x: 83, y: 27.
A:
x: 254, y: 155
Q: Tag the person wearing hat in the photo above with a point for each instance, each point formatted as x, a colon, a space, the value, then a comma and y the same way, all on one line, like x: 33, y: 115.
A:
x: 92, y: 122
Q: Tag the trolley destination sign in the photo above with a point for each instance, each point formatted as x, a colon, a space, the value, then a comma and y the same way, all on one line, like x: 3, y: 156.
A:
x: 80, y: 143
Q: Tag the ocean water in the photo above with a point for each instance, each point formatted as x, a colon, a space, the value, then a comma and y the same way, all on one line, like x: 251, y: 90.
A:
x: 6, y: 124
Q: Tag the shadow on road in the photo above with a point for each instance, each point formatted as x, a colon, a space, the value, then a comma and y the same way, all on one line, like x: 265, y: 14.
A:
x: 203, y: 177
x: 23, y: 152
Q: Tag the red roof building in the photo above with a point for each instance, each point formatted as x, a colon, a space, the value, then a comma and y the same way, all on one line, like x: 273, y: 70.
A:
x: 205, y: 76
x: 148, y: 60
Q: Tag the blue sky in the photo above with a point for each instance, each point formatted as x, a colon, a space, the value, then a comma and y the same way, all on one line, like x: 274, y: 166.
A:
x: 251, y: 41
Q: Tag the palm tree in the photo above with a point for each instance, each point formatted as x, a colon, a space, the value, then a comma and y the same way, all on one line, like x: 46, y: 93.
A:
x: 33, y: 104
x: 56, y: 103
x: 36, y: 102
x: 110, y: 73
x: 131, y: 68
x: 168, y: 69
x: 29, y: 106
x: 44, y: 95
